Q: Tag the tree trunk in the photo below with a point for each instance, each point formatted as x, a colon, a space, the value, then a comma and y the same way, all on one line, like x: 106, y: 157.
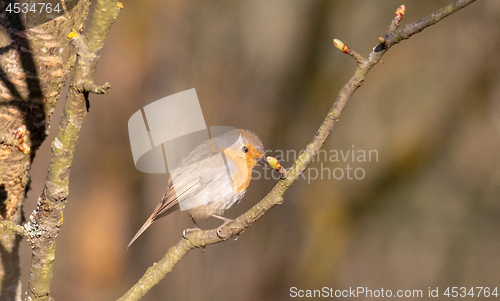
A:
x: 34, y: 65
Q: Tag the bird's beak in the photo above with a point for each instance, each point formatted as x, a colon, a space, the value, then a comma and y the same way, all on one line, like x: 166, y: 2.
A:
x: 262, y: 161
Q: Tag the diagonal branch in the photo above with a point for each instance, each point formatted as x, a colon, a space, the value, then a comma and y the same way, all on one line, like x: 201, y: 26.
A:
x: 199, y: 239
x: 44, y: 223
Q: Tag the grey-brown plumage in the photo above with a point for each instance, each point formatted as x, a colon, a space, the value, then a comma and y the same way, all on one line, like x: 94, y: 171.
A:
x: 211, y: 178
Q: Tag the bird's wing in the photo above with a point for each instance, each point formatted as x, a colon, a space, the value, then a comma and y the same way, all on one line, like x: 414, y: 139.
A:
x: 187, y: 185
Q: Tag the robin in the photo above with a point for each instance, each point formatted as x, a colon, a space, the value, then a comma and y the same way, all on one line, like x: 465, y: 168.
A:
x: 211, y: 178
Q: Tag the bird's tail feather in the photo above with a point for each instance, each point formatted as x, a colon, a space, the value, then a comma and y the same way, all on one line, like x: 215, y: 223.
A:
x: 164, y: 208
x: 142, y: 229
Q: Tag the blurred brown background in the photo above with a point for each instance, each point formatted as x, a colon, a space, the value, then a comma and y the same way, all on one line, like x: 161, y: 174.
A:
x: 426, y: 213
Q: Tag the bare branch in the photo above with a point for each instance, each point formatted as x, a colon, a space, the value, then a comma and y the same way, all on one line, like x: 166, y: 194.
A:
x: 405, y: 32
x: 199, y: 239
x: 13, y: 227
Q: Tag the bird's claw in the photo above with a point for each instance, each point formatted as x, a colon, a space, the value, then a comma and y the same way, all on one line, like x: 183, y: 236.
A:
x: 221, y: 237
x: 187, y: 231
x: 218, y: 234
x: 221, y: 226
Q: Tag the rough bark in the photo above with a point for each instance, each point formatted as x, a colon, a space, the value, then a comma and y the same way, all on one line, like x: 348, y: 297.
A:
x: 34, y: 64
x: 44, y: 223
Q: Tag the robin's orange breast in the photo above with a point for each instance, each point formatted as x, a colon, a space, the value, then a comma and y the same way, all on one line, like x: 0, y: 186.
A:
x: 244, y: 163
x: 241, y: 172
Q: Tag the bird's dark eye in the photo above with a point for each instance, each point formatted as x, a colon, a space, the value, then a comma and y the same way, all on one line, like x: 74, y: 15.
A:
x: 245, y: 149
